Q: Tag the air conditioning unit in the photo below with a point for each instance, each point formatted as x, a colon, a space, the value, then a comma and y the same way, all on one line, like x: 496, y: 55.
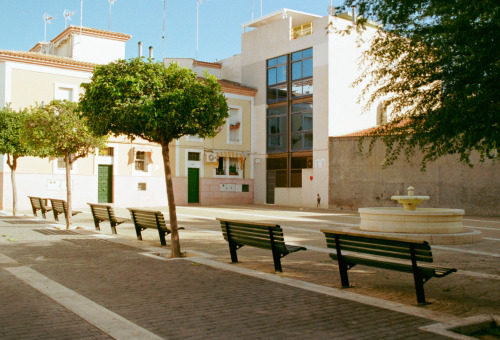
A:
x: 210, y: 157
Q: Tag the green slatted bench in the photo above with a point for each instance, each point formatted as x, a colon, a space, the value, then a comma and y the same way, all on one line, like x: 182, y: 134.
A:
x: 259, y: 235
x: 38, y: 203
x: 384, y: 252
x: 105, y: 212
x: 144, y: 219
x: 61, y: 207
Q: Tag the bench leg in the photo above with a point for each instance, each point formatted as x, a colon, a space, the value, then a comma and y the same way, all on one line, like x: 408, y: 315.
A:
x: 232, y: 251
x: 162, y: 237
x: 277, y: 261
x: 43, y: 214
x: 344, y: 277
x: 55, y: 215
x: 113, y: 228
x: 138, y: 232
x: 34, y: 211
x: 96, y: 223
x: 419, y: 288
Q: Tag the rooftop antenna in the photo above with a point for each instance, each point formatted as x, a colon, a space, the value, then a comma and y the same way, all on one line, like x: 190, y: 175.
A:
x: 81, y: 16
x: 261, y: 8
x: 252, y: 10
x: 331, y: 10
x: 198, y: 3
x: 163, y: 37
x: 46, y: 18
x: 67, y: 16
x: 111, y: 2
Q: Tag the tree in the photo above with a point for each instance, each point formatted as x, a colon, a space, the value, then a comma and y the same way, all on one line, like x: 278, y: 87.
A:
x: 12, y: 143
x: 63, y: 132
x: 435, y: 64
x: 145, y: 99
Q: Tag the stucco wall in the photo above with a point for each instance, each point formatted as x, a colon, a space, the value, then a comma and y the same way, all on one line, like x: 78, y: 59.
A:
x: 356, y: 181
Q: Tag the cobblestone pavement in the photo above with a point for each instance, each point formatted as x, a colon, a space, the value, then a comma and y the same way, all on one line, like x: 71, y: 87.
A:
x: 79, y: 284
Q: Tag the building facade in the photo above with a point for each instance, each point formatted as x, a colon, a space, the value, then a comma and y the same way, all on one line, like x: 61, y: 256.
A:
x: 126, y: 173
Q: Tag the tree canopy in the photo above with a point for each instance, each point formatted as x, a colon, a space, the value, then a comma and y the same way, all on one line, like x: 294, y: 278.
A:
x: 61, y: 131
x: 145, y: 99
x: 13, y: 143
x: 436, y: 66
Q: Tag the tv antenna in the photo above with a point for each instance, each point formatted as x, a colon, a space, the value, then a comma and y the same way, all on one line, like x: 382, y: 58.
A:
x: 198, y: 3
x: 111, y: 2
x: 46, y: 18
x: 331, y: 9
x: 67, y: 17
x: 163, y: 36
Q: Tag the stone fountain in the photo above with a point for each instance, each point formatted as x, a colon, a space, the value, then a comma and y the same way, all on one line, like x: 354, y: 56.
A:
x: 435, y: 225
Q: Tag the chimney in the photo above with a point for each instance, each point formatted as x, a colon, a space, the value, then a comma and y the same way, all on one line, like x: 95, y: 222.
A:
x: 140, y: 49
x: 151, y: 52
x: 353, y: 14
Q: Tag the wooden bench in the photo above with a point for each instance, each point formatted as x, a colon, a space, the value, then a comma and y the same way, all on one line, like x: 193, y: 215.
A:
x: 38, y: 203
x: 105, y: 212
x: 144, y: 219
x: 61, y: 207
x: 260, y: 235
x: 387, y: 253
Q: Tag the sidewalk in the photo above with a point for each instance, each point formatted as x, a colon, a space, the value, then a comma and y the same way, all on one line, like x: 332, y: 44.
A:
x: 79, y: 284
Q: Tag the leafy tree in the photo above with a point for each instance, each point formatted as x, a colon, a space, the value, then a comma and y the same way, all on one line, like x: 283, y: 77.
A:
x: 63, y: 132
x: 12, y: 143
x: 145, y: 99
x: 435, y: 64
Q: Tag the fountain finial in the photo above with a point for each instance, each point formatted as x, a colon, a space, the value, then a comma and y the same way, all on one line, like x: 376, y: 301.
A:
x: 411, y: 191
x: 410, y: 202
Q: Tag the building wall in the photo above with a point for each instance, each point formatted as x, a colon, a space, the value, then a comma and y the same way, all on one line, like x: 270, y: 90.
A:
x: 356, y: 181
x: 108, y: 50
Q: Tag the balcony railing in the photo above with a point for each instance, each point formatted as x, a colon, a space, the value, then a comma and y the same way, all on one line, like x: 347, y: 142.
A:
x: 302, y: 30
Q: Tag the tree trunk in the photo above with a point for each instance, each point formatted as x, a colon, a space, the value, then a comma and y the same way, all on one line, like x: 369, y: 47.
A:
x: 13, y: 167
x: 174, y: 236
x: 68, y: 189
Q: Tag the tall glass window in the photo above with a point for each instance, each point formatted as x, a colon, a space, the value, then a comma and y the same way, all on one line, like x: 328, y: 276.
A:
x: 277, y: 129
x: 302, y: 126
x: 277, y: 89
x: 302, y: 73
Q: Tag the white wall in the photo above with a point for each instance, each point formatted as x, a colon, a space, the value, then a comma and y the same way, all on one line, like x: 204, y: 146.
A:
x: 97, y: 50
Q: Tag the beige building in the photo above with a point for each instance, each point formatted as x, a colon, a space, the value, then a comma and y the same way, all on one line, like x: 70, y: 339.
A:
x: 127, y: 173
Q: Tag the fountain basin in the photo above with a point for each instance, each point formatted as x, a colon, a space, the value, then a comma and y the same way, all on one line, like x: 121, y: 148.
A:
x: 420, y: 220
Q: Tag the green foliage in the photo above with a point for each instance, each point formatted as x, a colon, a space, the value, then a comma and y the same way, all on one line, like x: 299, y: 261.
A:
x: 146, y: 99
x: 59, y: 130
x: 435, y: 65
x: 12, y: 126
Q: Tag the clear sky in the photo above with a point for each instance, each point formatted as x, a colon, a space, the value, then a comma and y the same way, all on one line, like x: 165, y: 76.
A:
x: 22, y: 24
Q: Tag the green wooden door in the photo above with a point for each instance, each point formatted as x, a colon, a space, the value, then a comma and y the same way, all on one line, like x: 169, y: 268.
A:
x: 105, y: 183
x: 193, y: 185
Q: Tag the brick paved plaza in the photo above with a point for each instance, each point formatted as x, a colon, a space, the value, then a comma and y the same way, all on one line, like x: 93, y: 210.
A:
x: 84, y: 284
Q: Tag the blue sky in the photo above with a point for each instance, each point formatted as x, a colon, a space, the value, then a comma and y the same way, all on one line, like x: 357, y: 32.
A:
x: 22, y: 25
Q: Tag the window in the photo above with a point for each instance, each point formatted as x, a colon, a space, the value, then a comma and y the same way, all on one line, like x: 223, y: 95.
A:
x: 106, y: 152
x: 61, y: 164
x: 228, y: 166
x: 289, y: 118
x: 67, y: 92
x: 302, y: 125
x: 302, y: 72
x: 193, y: 156
x: 141, y: 161
x: 277, y: 79
x: 277, y: 129
x: 234, y: 126
x: 141, y: 186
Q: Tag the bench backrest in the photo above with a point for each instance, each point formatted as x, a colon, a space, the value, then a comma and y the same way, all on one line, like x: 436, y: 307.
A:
x: 148, y: 219
x: 102, y: 212
x: 36, y: 202
x: 59, y: 205
x: 379, y: 246
x: 258, y: 235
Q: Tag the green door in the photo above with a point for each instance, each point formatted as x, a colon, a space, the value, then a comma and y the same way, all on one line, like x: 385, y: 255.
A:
x: 105, y: 182
x: 193, y: 185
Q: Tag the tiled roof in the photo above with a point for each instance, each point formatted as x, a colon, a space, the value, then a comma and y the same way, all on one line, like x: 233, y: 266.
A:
x: 207, y: 64
x: 92, y: 32
x: 237, y: 88
x: 44, y: 59
x: 367, y: 132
